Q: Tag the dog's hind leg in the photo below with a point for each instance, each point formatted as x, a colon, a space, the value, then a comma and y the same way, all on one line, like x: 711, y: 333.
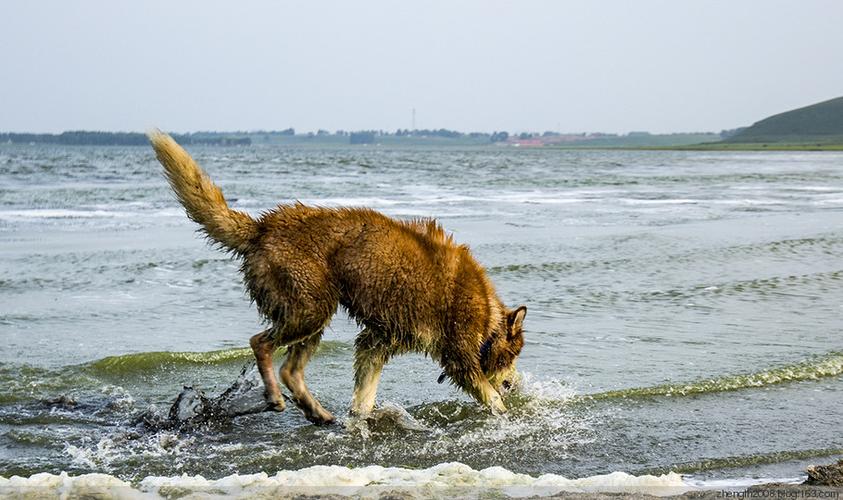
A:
x: 369, y: 359
x: 292, y: 374
x: 263, y: 345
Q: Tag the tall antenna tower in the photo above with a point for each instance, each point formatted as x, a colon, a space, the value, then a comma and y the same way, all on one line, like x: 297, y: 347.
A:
x: 414, y: 119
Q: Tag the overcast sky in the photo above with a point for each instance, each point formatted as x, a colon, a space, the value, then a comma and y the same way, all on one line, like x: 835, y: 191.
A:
x: 612, y: 66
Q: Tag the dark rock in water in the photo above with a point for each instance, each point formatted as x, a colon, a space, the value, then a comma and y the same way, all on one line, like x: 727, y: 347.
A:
x: 192, y: 407
x: 825, y: 475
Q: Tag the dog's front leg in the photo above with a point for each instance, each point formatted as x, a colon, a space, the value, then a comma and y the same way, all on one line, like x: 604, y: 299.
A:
x: 468, y: 376
x: 264, y: 346
x: 487, y: 395
x: 369, y: 359
x: 366, y: 378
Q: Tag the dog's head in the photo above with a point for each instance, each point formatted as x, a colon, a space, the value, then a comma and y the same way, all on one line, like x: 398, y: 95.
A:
x: 498, y: 355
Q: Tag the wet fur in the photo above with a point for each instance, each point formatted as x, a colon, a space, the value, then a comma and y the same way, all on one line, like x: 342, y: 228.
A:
x: 407, y: 283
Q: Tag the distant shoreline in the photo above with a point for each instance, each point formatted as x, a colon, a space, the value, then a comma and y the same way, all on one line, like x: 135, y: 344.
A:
x: 716, y: 147
x: 726, y: 146
x: 424, y: 137
x: 441, y: 138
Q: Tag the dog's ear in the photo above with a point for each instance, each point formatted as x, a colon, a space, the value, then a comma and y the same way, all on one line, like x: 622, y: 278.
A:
x: 515, y: 318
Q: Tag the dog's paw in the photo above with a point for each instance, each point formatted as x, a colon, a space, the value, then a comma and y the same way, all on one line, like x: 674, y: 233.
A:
x: 321, y: 420
x: 496, y: 406
x: 275, y: 407
x: 279, y: 407
x: 275, y: 403
x: 320, y: 417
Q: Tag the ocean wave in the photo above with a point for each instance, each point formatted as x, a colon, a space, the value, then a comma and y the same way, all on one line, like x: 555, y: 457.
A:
x: 23, y: 382
x: 828, y: 365
x: 444, y: 480
x: 532, y: 390
x: 145, y: 361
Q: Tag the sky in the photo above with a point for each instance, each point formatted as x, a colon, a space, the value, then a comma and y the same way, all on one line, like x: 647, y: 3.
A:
x: 527, y: 65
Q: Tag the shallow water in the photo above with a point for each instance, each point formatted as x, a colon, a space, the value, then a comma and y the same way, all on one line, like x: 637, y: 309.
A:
x: 684, y: 313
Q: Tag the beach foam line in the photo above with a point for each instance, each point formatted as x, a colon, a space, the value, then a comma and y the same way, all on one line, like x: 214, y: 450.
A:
x: 445, y: 480
x: 828, y: 365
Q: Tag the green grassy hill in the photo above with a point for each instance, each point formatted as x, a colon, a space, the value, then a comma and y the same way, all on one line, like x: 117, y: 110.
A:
x: 820, y: 123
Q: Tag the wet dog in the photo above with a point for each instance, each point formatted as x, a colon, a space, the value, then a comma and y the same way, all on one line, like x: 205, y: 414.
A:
x: 407, y: 283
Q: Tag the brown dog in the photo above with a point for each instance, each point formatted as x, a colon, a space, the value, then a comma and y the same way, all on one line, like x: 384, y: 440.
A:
x: 406, y: 282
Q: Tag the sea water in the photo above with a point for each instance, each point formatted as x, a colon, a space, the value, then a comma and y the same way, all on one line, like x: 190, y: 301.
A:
x: 684, y: 324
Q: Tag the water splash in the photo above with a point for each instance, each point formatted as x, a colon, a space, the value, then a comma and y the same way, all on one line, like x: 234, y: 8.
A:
x: 193, y: 408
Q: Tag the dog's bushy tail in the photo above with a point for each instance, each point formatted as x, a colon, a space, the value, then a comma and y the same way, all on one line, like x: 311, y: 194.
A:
x: 202, y: 199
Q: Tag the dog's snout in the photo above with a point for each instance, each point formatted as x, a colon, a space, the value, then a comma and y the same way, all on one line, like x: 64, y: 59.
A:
x: 506, y: 384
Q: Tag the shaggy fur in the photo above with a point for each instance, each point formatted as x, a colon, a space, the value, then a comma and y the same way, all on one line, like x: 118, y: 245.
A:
x: 406, y: 282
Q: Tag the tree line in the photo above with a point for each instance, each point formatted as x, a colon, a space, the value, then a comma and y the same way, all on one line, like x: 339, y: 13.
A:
x: 96, y: 138
x: 245, y: 138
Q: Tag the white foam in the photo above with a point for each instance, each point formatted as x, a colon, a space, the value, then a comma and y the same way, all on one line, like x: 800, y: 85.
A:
x: 93, y: 457
x: 441, y: 481
x: 351, y: 202
x: 435, y: 199
x: 102, y: 454
x: 63, y: 486
x: 829, y: 201
x: 46, y: 213
x: 818, y: 189
x: 671, y: 201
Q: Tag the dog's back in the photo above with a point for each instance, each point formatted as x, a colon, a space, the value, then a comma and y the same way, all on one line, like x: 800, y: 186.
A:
x: 404, y: 279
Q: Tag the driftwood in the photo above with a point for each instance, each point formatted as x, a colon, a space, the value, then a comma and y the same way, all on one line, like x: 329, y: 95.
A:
x: 193, y: 408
